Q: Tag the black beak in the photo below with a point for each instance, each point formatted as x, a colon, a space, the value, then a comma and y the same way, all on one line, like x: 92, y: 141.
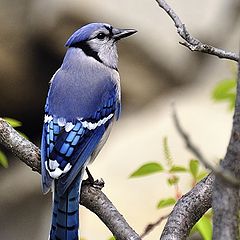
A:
x: 122, y: 33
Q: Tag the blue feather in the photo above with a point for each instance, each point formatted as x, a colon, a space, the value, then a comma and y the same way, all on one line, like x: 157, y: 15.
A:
x: 65, y: 98
x: 71, y: 136
x: 74, y: 147
x: 75, y: 140
x: 84, y: 33
x: 46, y: 179
x: 65, y: 218
x: 69, y: 152
x: 82, y: 102
x: 79, y: 158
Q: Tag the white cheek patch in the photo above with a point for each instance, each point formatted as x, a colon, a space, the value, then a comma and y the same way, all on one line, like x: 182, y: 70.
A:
x: 57, y: 171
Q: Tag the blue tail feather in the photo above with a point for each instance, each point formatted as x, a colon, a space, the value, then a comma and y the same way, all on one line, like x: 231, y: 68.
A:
x: 65, y: 217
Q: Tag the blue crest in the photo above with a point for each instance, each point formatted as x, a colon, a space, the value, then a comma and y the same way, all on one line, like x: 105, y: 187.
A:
x: 83, y: 33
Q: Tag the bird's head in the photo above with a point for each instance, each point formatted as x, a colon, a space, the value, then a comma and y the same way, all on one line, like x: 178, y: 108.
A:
x: 99, y: 40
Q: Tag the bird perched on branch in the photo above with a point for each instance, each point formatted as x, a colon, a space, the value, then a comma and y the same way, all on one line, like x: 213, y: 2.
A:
x: 82, y: 104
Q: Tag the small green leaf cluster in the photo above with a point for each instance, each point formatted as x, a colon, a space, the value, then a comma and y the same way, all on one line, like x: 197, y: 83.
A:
x: 112, y: 238
x: 225, y: 91
x: 150, y: 168
x: 3, y: 159
x: 15, y: 124
x: 174, y: 173
x: 204, y: 226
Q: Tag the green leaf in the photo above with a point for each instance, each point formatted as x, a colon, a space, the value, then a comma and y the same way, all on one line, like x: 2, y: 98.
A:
x: 112, y: 238
x: 173, y: 180
x: 13, y: 122
x: 209, y: 214
x: 194, y: 168
x: 204, y: 227
x: 147, y: 169
x: 193, y: 230
x: 201, y: 175
x: 166, y: 202
x: 3, y: 160
x: 167, y: 153
x: 175, y: 169
x: 225, y: 90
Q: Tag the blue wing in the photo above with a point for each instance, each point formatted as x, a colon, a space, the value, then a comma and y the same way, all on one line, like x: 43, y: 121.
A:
x: 66, y: 146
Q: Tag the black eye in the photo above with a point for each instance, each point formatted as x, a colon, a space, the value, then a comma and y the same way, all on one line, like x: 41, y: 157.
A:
x: 101, y: 36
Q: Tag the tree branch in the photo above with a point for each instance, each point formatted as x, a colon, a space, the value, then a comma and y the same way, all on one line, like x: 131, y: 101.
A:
x: 226, y: 203
x: 226, y: 184
x: 188, y: 210
x: 191, y: 42
x: 92, y: 198
x: 96, y: 201
x: 20, y: 146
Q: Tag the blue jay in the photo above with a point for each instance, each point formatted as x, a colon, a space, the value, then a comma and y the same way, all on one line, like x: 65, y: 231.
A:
x: 82, y: 104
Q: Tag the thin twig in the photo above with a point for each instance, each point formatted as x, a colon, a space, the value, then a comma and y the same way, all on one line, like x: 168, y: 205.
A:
x: 92, y: 198
x: 151, y: 226
x: 191, y: 42
x: 217, y: 170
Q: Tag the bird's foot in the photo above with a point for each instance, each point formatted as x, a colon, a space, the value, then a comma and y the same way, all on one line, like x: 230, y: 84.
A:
x: 99, y: 183
x: 90, y: 178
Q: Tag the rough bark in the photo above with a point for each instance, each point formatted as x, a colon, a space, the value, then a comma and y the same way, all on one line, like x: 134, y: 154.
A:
x: 188, y: 210
x: 226, y: 195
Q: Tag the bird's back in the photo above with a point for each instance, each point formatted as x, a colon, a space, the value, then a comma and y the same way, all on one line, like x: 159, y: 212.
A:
x: 81, y: 80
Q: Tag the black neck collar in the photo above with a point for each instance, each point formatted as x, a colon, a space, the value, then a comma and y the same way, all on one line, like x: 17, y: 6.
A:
x: 89, y: 51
